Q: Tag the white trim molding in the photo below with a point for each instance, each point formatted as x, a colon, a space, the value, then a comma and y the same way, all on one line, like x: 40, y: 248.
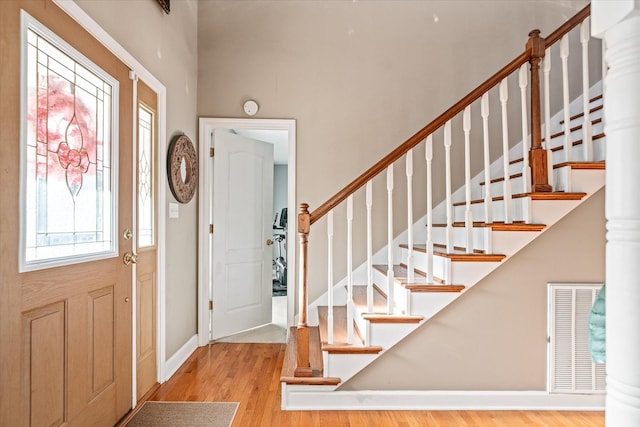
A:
x: 307, y: 398
x: 179, y: 357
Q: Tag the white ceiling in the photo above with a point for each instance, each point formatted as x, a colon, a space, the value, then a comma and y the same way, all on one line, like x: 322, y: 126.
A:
x: 279, y: 139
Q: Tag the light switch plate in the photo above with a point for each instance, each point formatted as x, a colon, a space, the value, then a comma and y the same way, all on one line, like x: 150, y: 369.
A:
x: 174, y: 210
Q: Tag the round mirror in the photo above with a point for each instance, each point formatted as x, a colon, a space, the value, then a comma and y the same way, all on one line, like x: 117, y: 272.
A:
x: 183, y: 170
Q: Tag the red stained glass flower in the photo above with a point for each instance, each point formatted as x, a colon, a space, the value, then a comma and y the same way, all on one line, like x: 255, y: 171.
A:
x: 72, y: 158
x: 75, y: 161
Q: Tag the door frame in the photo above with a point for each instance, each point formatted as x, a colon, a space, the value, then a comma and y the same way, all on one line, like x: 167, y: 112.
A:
x: 207, y: 127
x: 139, y: 71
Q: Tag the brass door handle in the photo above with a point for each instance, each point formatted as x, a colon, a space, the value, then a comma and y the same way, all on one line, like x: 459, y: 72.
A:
x: 269, y: 242
x: 130, y: 258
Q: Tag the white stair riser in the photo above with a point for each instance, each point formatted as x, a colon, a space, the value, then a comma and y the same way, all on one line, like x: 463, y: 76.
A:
x: 577, y: 153
x: 427, y: 304
x: 386, y: 335
x: 380, y: 279
x: 520, y: 211
x: 345, y: 366
x: 580, y: 181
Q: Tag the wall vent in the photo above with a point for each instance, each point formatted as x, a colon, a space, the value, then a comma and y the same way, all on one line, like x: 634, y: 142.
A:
x: 570, y: 367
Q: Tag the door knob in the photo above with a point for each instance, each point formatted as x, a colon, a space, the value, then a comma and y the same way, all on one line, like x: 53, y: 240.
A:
x: 130, y: 258
x: 269, y: 242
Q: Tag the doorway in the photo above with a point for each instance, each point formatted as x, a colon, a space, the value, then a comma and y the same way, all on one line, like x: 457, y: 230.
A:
x: 266, y: 130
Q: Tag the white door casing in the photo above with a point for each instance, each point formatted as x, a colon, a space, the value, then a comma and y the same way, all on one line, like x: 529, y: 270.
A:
x: 242, y: 252
x: 207, y: 126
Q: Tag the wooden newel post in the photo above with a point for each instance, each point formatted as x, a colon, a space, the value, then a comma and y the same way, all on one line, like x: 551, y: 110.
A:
x: 303, y: 367
x: 537, y: 154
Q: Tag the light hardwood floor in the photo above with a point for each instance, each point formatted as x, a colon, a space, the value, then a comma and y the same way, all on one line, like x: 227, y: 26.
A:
x: 250, y: 373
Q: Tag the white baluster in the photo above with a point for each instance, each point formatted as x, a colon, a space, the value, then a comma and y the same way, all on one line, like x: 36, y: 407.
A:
x: 587, y: 142
x: 350, y: 269
x: 506, y: 185
x: 390, y: 281
x: 526, y: 171
x: 447, y: 157
x: 369, y: 202
x: 429, y: 246
x: 484, y: 111
x: 330, y: 277
x: 564, y: 56
x: 546, y: 68
x: 468, y: 217
x: 409, y: 168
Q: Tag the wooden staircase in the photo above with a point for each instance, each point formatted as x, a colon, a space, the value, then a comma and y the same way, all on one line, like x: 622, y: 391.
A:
x: 378, y: 304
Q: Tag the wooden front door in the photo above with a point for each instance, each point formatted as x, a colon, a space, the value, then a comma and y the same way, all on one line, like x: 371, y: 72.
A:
x: 65, y: 326
x: 146, y: 242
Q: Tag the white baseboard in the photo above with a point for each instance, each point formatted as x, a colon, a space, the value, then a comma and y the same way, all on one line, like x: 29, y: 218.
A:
x: 296, y: 398
x: 179, y: 357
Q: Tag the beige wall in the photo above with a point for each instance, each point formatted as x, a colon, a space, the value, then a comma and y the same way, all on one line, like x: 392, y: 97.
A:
x: 495, y: 336
x: 166, y: 45
x: 359, y: 78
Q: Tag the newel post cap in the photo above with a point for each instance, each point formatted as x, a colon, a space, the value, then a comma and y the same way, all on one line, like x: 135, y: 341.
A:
x: 535, y: 44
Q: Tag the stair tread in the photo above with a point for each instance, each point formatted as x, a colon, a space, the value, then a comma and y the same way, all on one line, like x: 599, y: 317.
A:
x: 494, y: 180
x: 552, y: 195
x: 501, y: 226
x: 420, y: 283
x: 379, y: 313
x: 379, y: 300
x: 459, y: 254
x: 582, y: 165
x: 574, y: 165
x: 340, y: 344
x: 315, y: 361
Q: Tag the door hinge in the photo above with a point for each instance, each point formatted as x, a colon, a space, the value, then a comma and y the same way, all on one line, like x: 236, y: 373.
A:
x: 210, y: 305
x: 210, y: 228
x: 211, y: 151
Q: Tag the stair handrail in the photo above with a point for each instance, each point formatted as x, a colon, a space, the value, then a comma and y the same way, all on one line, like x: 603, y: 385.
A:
x: 454, y: 110
x: 534, y: 53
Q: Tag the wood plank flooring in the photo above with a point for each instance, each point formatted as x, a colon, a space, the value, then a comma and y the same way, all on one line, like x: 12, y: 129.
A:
x: 250, y: 374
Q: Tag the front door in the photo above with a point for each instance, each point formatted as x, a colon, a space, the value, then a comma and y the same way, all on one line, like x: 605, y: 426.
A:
x: 66, y: 199
x: 243, y: 234
x: 146, y: 242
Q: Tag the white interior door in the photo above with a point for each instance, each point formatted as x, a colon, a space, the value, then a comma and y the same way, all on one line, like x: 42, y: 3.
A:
x: 242, y: 238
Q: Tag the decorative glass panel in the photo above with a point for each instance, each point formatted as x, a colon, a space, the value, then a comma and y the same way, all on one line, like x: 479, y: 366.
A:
x: 145, y: 177
x: 69, y: 207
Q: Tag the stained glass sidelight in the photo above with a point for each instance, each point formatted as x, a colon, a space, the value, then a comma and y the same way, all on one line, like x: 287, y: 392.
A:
x: 145, y: 177
x: 69, y: 201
